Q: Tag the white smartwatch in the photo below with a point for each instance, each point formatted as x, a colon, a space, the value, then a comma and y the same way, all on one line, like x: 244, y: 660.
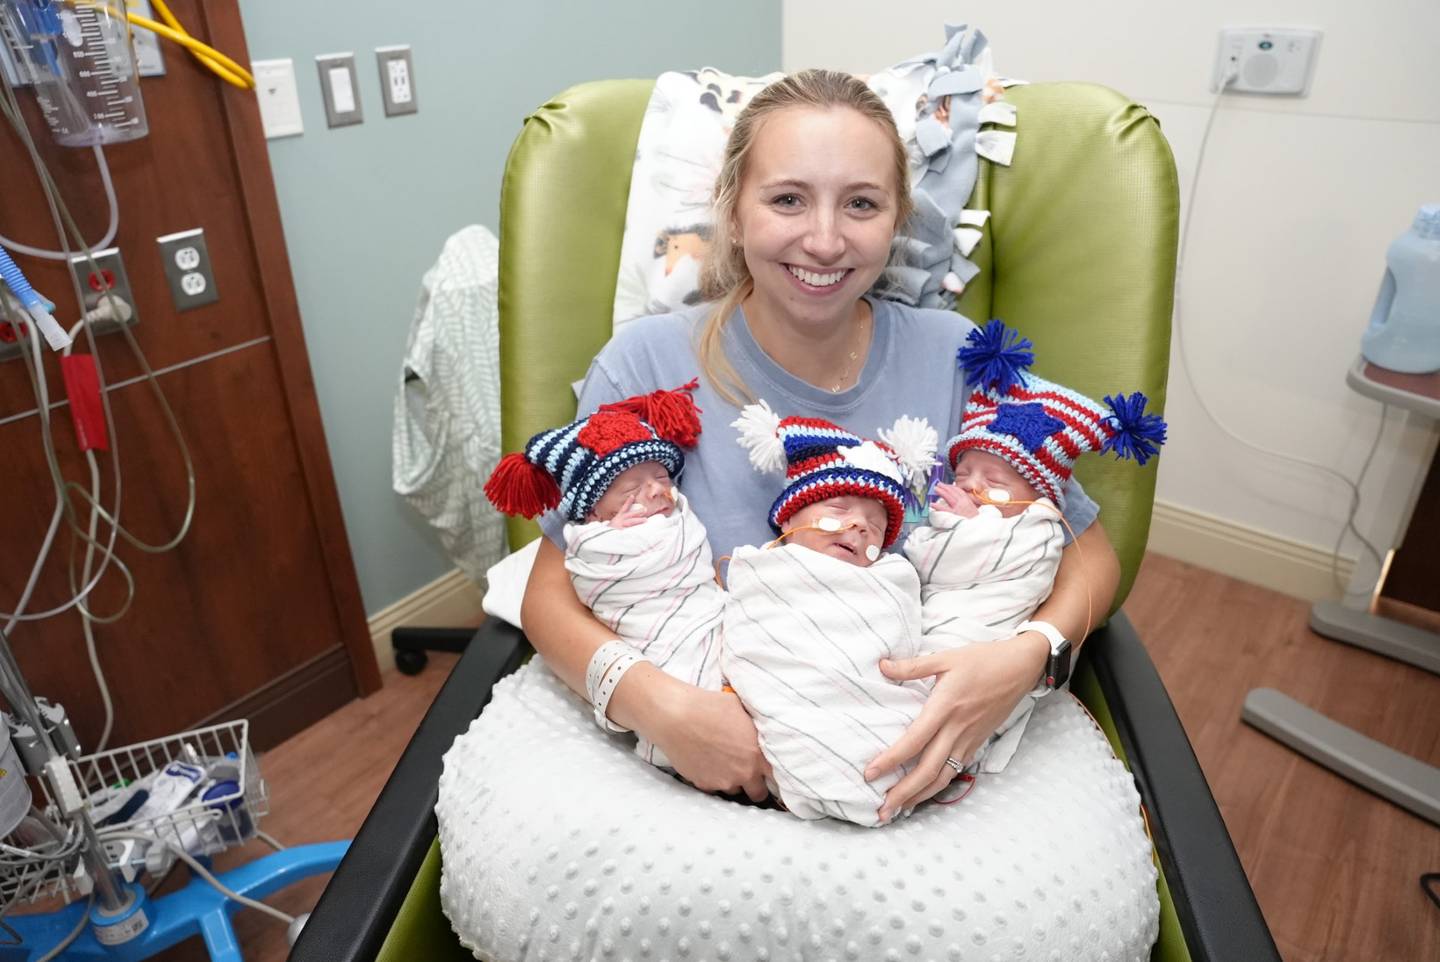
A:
x: 1057, y: 665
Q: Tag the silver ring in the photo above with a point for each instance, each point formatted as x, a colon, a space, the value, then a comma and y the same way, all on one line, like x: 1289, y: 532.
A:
x: 959, y: 769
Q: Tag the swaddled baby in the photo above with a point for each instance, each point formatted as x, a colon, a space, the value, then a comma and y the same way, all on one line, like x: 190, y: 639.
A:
x: 988, y: 555
x: 811, y: 615
x: 637, y: 555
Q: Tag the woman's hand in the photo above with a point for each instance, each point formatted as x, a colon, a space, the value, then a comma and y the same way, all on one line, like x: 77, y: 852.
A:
x: 976, y: 688
x: 711, y: 741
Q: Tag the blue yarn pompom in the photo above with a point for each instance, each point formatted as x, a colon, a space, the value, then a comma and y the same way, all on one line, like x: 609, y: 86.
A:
x: 995, y: 356
x: 1137, y: 435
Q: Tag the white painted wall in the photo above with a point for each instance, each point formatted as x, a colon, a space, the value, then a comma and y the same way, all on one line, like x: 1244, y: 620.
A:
x: 1297, y: 202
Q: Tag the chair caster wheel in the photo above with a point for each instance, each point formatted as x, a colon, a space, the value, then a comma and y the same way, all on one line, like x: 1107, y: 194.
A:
x: 411, y: 662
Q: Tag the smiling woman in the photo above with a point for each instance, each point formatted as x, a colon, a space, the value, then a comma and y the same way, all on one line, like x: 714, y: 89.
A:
x: 812, y: 190
x: 801, y: 233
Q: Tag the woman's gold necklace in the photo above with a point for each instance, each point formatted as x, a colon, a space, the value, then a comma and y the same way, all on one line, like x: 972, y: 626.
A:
x: 852, y: 358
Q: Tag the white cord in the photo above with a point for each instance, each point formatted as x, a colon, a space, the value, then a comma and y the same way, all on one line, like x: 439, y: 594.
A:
x: 204, y: 873
x: 99, y: 245
x: 269, y: 840
x: 85, y: 619
x: 1229, y: 78
x: 1355, y: 502
x: 108, y: 307
x: 74, y: 933
x: 42, y: 394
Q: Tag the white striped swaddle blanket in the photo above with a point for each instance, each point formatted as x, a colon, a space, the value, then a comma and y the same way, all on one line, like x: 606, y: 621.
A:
x: 654, y: 586
x: 804, y: 635
x: 980, y: 577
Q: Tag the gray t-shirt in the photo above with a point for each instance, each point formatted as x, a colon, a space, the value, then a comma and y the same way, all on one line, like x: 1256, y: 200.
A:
x: 911, y: 370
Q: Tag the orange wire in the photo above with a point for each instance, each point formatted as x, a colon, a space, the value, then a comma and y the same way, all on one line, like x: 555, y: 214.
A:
x: 783, y: 536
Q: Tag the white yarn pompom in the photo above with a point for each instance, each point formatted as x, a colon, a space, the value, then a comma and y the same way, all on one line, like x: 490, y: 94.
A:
x: 759, y: 429
x: 870, y: 457
x: 914, y: 442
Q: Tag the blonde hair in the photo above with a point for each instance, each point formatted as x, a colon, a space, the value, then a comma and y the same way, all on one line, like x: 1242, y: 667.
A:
x: 724, y: 277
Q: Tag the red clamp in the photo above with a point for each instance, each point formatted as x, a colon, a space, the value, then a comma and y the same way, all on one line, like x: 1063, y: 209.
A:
x: 82, y: 386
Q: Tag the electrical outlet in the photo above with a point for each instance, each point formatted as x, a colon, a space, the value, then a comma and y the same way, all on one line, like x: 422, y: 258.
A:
x: 108, y: 275
x: 397, y: 79
x: 339, y: 89
x: 112, y: 278
x: 13, y: 330
x: 186, y: 260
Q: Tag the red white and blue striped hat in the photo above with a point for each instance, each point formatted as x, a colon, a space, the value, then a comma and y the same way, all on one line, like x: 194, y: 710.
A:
x: 822, y: 460
x: 1038, y: 427
x: 571, y: 467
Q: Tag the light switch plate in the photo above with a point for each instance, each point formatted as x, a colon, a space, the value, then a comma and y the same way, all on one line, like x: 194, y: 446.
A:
x: 279, y: 99
x: 340, y: 90
x: 397, y: 79
x: 187, y: 269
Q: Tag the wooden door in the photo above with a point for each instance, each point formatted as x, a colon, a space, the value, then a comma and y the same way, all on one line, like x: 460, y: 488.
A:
x: 258, y: 611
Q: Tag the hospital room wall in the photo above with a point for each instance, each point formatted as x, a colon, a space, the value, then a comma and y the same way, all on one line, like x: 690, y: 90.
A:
x: 1298, y: 199
x: 366, y: 208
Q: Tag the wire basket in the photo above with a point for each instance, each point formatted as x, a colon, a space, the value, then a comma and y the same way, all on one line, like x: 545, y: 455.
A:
x: 222, y: 810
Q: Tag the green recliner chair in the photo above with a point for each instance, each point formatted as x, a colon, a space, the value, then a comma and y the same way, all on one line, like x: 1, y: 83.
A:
x: 1079, y: 255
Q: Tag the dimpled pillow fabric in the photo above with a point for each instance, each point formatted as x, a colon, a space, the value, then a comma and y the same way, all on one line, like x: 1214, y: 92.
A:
x: 559, y: 844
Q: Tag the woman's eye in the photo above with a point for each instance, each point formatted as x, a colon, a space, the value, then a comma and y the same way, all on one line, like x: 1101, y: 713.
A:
x: 786, y: 200
x: 864, y: 203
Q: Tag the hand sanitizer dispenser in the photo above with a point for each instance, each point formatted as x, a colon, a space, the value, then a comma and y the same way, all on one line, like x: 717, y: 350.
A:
x: 1404, y: 331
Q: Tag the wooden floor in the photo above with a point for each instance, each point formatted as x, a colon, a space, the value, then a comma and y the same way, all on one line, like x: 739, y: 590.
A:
x: 1335, y: 869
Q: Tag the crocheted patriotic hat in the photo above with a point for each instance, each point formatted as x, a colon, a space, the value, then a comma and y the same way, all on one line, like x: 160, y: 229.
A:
x: 572, y: 467
x: 1039, y: 427
x: 822, y: 460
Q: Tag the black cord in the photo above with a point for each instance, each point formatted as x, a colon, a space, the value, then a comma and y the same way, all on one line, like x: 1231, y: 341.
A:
x: 1428, y: 883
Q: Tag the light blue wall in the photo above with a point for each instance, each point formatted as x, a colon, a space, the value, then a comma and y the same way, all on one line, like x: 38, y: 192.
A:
x: 366, y: 208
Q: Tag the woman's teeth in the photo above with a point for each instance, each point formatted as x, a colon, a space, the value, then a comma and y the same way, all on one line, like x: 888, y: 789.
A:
x: 818, y: 280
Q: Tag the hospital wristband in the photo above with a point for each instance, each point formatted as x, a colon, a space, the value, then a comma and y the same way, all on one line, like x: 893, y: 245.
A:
x: 602, y: 676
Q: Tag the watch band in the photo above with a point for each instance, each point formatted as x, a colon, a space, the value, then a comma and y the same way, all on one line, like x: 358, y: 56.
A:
x: 1057, y: 664
x: 602, y: 676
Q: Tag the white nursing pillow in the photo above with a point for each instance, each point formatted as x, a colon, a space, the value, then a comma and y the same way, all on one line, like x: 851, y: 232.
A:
x: 560, y: 844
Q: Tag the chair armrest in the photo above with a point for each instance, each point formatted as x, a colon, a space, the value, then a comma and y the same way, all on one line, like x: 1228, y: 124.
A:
x: 359, y: 905
x: 1216, y: 907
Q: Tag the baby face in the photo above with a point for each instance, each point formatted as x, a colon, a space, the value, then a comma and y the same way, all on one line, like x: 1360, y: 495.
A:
x: 995, y: 479
x: 638, y: 493
x: 850, y: 528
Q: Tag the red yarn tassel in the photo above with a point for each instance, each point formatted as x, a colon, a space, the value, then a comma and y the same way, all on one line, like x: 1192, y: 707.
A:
x: 517, y: 486
x: 672, y: 414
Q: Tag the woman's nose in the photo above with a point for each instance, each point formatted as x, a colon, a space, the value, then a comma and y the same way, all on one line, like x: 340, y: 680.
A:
x: 823, y: 240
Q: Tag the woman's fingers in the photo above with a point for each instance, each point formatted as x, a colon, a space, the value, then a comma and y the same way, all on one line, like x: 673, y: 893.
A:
x: 946, y: 776
x: 756, y: 790
x: 907, y: 669
x: 911, y: 743
x: 929, y: 770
